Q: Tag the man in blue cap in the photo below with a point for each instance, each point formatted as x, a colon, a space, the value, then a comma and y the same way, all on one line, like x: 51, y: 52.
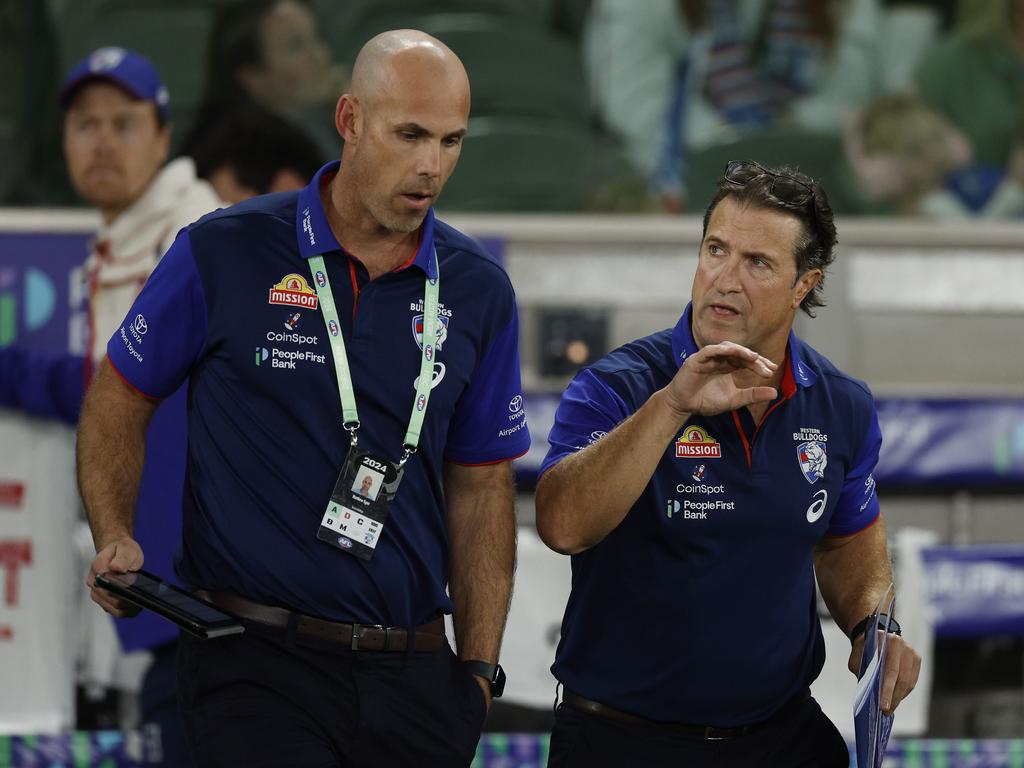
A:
x: 117, y: 140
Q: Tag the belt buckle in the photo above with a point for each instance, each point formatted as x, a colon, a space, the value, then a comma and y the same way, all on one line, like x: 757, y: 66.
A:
x: 713, y: 733
x: 357, y: 634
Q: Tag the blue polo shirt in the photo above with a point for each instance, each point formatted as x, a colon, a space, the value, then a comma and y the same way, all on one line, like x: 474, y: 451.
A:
x: 700, y: 606
x: 231, y: 307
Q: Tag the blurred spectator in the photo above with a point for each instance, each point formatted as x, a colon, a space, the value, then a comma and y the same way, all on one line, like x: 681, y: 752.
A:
x: 269, y: 52
x: 252, y: 152
x: 116, y: 141
x: 975, y: 77
x: 909, y: 29
x: 905, y: 154
x: 672, y: 75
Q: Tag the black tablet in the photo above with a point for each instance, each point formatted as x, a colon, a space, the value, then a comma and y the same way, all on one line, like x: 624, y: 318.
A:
x: 187, y: 611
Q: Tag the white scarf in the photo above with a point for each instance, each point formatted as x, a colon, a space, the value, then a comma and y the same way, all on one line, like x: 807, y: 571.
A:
x: 127, y: 250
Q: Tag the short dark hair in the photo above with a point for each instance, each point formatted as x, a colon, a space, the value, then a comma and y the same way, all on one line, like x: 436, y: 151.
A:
x: 767, y: 188
x: 256, y: 144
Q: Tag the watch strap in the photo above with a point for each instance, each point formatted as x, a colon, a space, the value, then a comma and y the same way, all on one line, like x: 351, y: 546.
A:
x: 883, y: 619
x: 493, y: 673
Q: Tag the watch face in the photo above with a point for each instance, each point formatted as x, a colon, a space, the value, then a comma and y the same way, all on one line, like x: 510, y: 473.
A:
x: 498, y: 682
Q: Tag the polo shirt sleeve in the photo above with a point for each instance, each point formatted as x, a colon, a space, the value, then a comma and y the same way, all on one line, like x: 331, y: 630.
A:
x: 164, y: 333
x: 858, y: 503
x: 489, y: 423
x: 588, y: 410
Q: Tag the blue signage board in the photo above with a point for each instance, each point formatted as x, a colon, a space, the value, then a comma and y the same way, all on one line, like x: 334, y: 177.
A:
x: 977, y: 590
x: 43, y: 293
x: 928, y: 445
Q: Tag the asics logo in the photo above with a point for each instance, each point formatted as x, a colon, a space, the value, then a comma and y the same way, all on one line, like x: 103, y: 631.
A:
x: 817, y: 508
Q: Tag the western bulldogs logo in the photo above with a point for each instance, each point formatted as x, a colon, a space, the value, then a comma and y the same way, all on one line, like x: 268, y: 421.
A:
x: 813, y: 460
x: 442, y: 331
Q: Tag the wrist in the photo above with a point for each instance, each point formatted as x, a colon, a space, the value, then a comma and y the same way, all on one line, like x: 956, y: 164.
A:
x: 674, y: 409
x: 115, y: 537
x: 885, y: 622
x: 101, y: 541
x: 490, y: 673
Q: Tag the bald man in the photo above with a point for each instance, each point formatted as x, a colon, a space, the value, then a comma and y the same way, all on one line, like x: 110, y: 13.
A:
x: 328, y: 334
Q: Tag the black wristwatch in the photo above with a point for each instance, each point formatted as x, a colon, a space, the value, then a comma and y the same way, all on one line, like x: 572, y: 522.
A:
x: 492, y: 673
x: 883, y: 619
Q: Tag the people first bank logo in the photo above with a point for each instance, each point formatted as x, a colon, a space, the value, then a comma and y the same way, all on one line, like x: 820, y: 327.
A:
x: 695, y: 442
x: 294, y: 291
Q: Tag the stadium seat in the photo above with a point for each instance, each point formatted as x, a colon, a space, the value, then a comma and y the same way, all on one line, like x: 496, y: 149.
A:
x: 816, y: 154
x: 13, y: 89
x: 516, y: 66
x: 31, y: 164
x: 172, y: 33
x: 522, y: 165
x: 339, y: 20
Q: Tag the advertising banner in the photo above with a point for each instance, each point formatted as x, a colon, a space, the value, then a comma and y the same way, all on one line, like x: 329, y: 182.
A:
x: 976, y: 591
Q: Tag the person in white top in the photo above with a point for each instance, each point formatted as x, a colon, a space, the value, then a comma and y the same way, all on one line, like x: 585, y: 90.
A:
x: 117, y: 140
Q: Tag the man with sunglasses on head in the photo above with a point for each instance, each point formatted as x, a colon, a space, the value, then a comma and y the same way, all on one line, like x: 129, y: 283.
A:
x: 736, y: 467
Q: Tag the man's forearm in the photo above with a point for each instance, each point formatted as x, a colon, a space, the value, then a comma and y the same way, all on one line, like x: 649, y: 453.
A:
x: 586, y: 495
x: 110, y: 451
x: 853, y: 574
x: 482, y: 540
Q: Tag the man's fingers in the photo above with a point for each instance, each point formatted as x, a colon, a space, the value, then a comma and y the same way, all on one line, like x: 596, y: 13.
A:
x: 119, y: 556
x: 902, y: 667
x: 757, y: 395
x: 125, y: 560
x: 909, y: 669
x: 111, y: 604
x: 889, y: 676
x: 727, y: 356
x: 853, y: 663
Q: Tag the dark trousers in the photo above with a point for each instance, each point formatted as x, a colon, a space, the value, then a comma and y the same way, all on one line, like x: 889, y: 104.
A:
x: 258, y: 700
x: 803, y: 738
x: 158, y: 709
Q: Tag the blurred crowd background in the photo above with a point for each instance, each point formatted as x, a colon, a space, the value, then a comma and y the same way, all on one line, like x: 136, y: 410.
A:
x: 900, y: 108
x: 908, y: 110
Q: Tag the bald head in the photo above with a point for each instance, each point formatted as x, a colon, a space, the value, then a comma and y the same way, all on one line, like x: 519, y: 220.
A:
x: 403, y: 122
x: 402, y: 56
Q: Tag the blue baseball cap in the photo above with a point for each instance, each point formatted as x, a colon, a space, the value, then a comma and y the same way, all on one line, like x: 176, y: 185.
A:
x: 132, y: 71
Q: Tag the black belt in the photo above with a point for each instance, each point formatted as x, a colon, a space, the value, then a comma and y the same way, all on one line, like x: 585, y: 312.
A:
x: 709, y: 732
x: 358, y: 637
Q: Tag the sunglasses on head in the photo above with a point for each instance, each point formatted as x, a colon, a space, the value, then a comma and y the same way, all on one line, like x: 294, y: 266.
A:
x: 787, y: 189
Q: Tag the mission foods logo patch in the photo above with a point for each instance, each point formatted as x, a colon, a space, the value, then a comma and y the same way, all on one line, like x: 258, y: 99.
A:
x: 696, y: 442
x: 293, y: 291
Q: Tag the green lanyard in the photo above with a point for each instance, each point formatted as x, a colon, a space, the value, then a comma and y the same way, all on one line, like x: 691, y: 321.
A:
x: 350, y: 414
